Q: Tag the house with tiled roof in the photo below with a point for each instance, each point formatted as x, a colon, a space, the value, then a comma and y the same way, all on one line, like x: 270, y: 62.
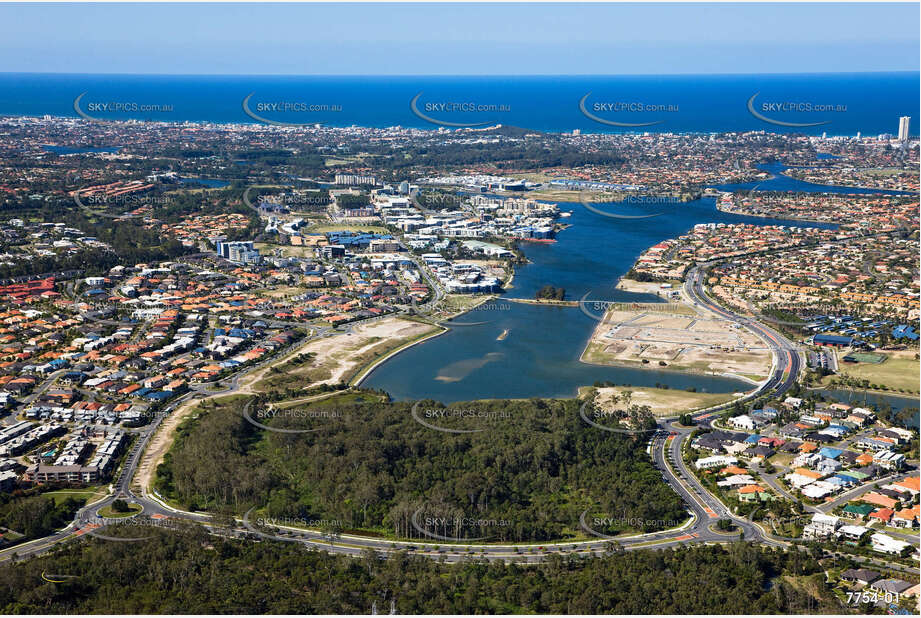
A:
x: 878, y: 500
x: 907, y: 518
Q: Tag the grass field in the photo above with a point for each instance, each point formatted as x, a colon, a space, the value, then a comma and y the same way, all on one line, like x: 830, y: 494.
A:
x: 107, y: 511
x: 898, y: 371
x: 84, y: 495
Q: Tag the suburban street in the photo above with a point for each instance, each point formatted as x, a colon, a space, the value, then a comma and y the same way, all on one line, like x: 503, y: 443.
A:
x: 666, y: 447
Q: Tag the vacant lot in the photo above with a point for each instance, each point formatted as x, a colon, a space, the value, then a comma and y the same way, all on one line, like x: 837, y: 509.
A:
x: 340, y: 357
x: 662, y: 401
x: 681, y: 342
x: 649, y: 287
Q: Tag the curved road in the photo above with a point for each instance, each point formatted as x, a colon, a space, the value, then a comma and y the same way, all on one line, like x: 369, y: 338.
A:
x: 666, y: 448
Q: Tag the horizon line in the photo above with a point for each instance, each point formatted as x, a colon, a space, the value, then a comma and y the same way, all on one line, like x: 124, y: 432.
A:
x: 503, y: 75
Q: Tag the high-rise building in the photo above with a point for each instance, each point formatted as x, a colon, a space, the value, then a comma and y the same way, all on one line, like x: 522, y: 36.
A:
x: 904, y: 123
x: 241, y: 251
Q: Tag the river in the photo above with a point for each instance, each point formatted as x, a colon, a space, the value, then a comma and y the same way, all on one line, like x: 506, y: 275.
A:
x: 539, y: 357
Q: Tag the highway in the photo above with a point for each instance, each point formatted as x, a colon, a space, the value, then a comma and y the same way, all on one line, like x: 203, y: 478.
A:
x: 787, y: 360
x: 666, y: 445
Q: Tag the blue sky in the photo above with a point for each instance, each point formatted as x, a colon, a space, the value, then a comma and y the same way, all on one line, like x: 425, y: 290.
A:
x: 447, y: 39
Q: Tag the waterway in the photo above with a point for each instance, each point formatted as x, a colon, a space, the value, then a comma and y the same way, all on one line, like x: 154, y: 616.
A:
x: 874, y: 401
x: 539, y: 357
x: 780, y: 182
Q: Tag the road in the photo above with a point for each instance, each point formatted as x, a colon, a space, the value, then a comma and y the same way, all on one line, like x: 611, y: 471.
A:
x: 787, y: 360
x: 666, y: 446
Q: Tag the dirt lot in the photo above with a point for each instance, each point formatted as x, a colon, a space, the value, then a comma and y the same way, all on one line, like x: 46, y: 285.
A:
x: 648, y: 287
x: 338, y: 357
x: 663, y: 402
x: 681, y: 342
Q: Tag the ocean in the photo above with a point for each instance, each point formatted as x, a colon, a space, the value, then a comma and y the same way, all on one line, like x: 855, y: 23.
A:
x: 836, y: 104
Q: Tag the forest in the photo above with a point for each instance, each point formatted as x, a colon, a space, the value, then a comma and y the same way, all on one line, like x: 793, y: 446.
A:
x: 34, y: 515
x: 190, y: 572
x: 524, y: 471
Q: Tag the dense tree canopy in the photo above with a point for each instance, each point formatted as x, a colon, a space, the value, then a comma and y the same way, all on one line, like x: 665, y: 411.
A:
x: 526, y: 472
x: 192, y: 573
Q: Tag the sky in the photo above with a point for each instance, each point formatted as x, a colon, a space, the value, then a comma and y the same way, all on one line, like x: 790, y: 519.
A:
x: 459, y: 39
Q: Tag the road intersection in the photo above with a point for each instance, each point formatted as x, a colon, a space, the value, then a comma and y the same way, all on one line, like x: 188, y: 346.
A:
x: 666, y: 446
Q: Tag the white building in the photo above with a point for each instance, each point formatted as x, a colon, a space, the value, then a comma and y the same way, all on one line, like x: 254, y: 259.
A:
x: 889, y: 460
x: 904, y: 125
x: 885, y: 544
x: 852, y: 533
x: 743, y: 421
x: 716, y: 461
x: 821, y: 526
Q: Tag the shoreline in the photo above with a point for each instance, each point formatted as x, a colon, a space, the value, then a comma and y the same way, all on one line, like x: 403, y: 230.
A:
x: 750, y: 382
x: 539, y: 301
x: 732, y: 211
x: 363, y: 374
x: 869, y: 392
